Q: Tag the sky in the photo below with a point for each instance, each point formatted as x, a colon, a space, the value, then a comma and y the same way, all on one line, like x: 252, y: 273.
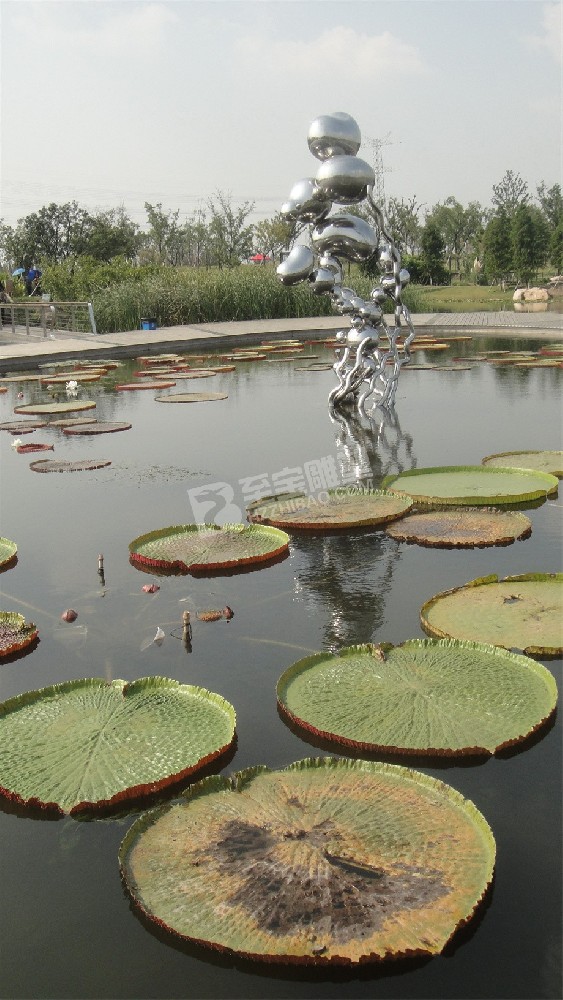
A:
x: 119, y: 102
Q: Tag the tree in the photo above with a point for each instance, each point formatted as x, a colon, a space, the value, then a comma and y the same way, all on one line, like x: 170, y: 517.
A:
x: 403, y: 224
x: 556, y: 249
x: 530, y: 242
x: 53, y: 234
x: 165, y: 240
x: 230, y: 238
x: 272, y: 236
x: 432, y: 248
x: 497, y: 247
x: 551, y: 204
x: 460, y: 229
x: 511, y: 192
x: 112, y: 234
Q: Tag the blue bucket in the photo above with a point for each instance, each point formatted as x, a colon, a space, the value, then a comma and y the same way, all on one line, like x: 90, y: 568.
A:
x: 148, y: 324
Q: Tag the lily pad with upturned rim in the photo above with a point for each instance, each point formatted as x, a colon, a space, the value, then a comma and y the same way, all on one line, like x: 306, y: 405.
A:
x: 345, y: 508
x: 70, y: 406
x: 541, y: 461
x: 22, y: 426
x: 469, y: 527
x: 145, y: 384
x: 437, y: 697
x: 100, y: 427
x: 190, y: 397
x: 83, y: 465
x: 456, y: 485
x: 15, y: 633
x: 91, y: 743
x: 325, y: 862
x: 8, y: 551
x: 518, y: 612
x: 195, y: 548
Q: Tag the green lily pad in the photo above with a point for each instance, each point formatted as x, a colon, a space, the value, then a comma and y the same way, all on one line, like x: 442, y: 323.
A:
x: 69, y: 406
x: 340, y: 508
x: 196, y: 548
x: 22, y: 426
x: 465, y: 528
x: 427, y: 696
x: 541, y: 461
x: 91, y: 743
x: 325, y: 862
x: 472, y: 484
x: 15, y: 633
x: 8, y: 551
x: 519, y: 612
x: 145, y: 384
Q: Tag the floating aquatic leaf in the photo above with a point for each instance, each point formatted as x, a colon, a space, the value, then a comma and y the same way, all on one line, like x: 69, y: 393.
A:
x: 327, y: 861
x: 192, y: 548
x: 190, y: 397
x: 472, y: 484
x: 540, y: 461
x: 145, y: 384
x: 90, y: 743
x: 22, y: 426
x: 75, y: 377
x: 70, y: 615
x: 51, y: 465
x: 341, y: 508
x: 518, y: 612
x: 70, y: 406
x: 15, y: 633
x: 466, y: 528
x: 8, y: 551
x: 23, y: 449
x: 427, y: 696
x: 99, y: 427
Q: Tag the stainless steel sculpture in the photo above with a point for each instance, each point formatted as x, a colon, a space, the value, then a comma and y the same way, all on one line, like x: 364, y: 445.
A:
x: 372, y: 352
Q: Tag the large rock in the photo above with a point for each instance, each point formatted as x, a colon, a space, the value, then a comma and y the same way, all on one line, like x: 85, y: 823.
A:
x: 531, y: 295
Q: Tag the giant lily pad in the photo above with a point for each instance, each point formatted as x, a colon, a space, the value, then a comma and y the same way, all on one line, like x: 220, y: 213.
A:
x: 340, y: 508
x: 8, y: 552
x: 427, y: 696
x: 193, y: 548
x: 466, y: 528
x: 190, y: 397
x: 15, y: 633
x: 90, y: 743
x: 22, y: 426
x: 100, y: 427
x: 541, y: 461
x: 69, y: 406
x: 325, y: 862
x: 519, y: 612
x: 472, y: 484
x: 145, y: 384
x: 83, y: 465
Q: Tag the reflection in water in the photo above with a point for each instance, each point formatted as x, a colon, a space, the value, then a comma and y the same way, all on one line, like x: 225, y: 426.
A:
x: 371, y: 446
x: 349, y: 573
x: 346, y: 577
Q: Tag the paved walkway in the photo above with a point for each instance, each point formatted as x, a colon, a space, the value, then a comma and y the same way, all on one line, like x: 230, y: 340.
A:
x: 20, y: 352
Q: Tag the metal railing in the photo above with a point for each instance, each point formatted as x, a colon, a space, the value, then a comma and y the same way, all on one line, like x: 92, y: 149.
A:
x: 35, y: 315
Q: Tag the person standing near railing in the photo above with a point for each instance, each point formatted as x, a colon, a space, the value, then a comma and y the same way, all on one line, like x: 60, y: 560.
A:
x: 33, y: 280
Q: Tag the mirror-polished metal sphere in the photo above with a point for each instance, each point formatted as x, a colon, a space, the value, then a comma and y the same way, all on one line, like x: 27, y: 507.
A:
x: 404, y: 276
x: 371, y: 311
x: 388, y: 282
x: 297, y: 266
x: 309, y: 202
x: 333, y: 264
x: 333, y: 135
x: 346, y: 236
x: 345, y: 179
x: 322, y: 280
x: 378, y: 295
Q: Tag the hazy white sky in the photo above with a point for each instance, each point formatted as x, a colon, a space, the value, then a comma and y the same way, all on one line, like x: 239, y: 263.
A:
x: 113, y: 102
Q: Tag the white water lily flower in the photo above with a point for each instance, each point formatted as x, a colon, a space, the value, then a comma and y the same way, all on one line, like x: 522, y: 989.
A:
x: 72, y: 386
x: 16, y: 443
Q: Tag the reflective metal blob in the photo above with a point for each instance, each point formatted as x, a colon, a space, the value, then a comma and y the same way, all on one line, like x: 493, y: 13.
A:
x: 322, y: 280
x: 345, y: 179
x: 297, y: 266
x: 345, y: 235
x: 334, y: 135
x: 309, y: 203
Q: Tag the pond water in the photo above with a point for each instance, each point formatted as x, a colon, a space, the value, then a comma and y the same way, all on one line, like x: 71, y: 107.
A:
x: 67, y: 928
